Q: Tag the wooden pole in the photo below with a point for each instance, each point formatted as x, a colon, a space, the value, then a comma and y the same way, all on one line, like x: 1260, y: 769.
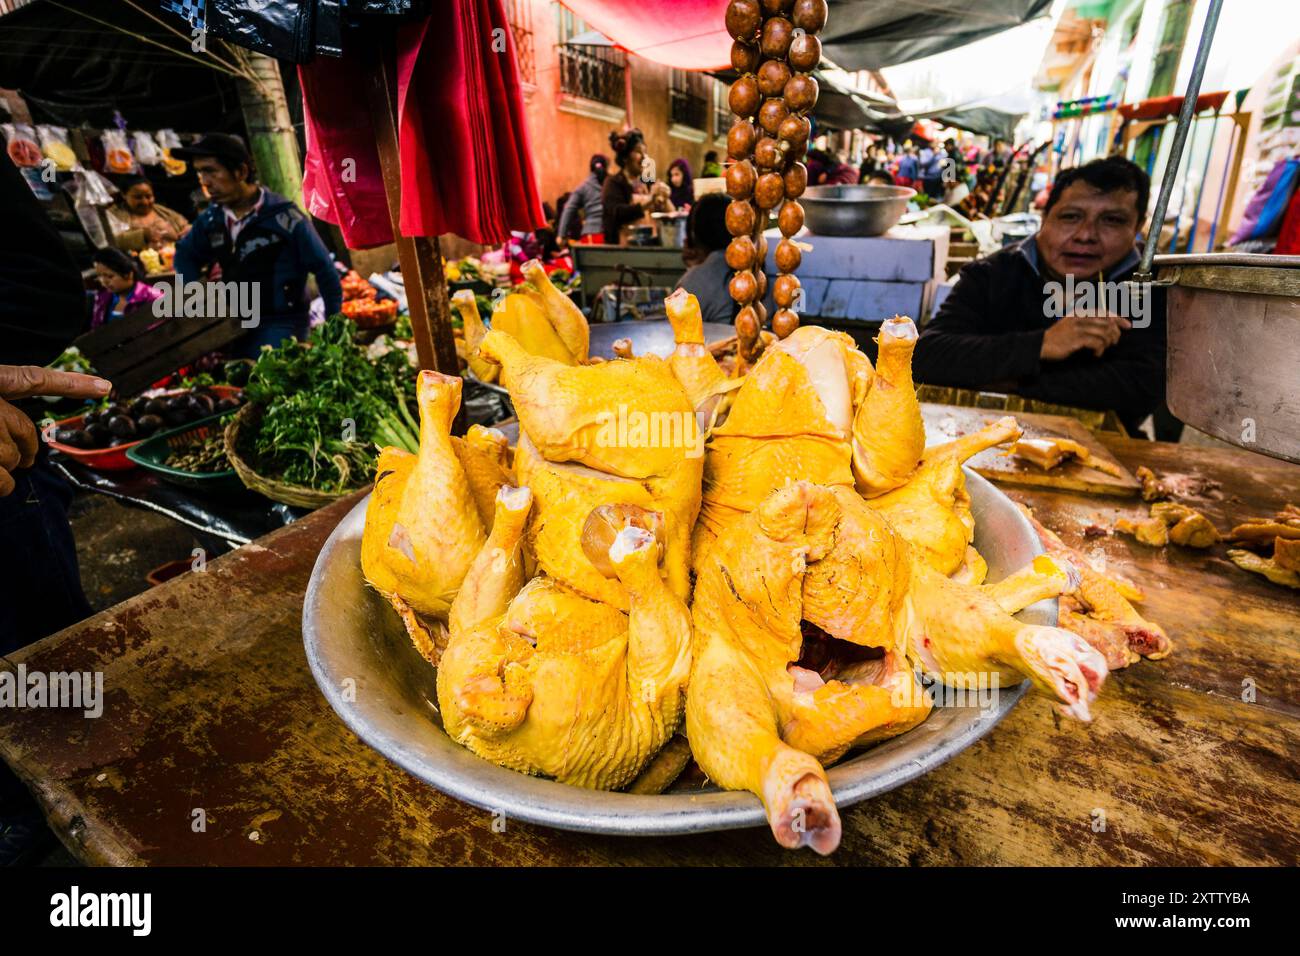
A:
x: 421, y: 260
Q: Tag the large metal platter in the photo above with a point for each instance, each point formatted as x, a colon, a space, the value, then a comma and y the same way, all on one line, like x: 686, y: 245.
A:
x: 384, y: 691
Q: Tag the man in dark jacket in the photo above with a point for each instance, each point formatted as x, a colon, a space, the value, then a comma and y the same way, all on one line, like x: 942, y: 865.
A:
x: 1051, y: 317
x: 258, y: 238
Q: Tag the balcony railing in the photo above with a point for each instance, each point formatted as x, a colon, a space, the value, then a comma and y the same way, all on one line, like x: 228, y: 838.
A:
x: 688, y: 100
x: 593, y: 72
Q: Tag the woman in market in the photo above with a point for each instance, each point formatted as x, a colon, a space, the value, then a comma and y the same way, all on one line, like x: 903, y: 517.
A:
x: 585, y: 201
x: 138, y: 222
x: 123, y: 287
x: 626, y: 197
x: 681, y: 188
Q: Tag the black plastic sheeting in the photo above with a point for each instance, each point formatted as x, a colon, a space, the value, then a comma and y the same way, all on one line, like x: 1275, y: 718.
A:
x: 71, y: 70
x: 872, y: 34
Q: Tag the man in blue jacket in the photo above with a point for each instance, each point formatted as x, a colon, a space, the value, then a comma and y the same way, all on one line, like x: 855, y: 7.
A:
x: 257, y: 237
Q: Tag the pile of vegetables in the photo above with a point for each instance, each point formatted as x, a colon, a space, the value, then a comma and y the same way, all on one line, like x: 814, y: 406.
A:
x: 120, y: 423
x: 203, y: 457
x: 327, y: 409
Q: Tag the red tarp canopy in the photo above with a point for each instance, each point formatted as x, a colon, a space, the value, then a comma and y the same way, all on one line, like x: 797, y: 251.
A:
x: 466, y: 166
x: 689, y: 34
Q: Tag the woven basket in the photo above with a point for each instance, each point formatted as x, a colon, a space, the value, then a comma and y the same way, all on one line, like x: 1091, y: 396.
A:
x: 275, y: 490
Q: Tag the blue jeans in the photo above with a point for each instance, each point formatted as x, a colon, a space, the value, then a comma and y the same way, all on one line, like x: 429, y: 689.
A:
x: 272, y: 330
x: 40, y: 583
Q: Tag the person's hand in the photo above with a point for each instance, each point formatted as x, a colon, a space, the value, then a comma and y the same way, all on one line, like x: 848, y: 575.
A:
x: 1096, y: 333
x: 158, y: 231
x: 642, y: 199
x: 18, y: 439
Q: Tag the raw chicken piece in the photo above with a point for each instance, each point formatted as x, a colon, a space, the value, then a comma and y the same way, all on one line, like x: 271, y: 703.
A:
x: 1112, y: 625
x: 765, y: 712
x: 1149, y: 531
x: 561, y: 312
x: 422, y: 525
x: 524, y: 321
x: 963, y: 630
x: 1047, y: 453
x: 1174, y: 522
x: 1282, y: 568
x: 544, y: 681
x: 472, y: 323
x: 747, y: 608
x: 932, y: 510
x: 790, y: 420
x: 628, y: 417
x: 707, y: 386
x: 888, y: 433
x: 565, y: 494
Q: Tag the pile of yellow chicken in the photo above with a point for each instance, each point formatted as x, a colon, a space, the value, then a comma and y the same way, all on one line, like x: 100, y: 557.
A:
x: 770, y: 563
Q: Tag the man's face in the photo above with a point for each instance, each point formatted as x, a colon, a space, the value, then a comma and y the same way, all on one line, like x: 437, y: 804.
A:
x: 1088, y: 231
x: 218, y: 182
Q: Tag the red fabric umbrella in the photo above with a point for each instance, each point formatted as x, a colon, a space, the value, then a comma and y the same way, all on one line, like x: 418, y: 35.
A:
x: 465, y: 159
x: 689, y: 34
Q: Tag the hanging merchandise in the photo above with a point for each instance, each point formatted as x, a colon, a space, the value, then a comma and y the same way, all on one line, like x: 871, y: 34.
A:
x: 57, y: 148
x: 91, y: 192
x: 168, y: 141
x: 1266, y: 208
x: 146, y: 150
x: 480, y: 186
x: 117, y: 155
x: 20, y: 143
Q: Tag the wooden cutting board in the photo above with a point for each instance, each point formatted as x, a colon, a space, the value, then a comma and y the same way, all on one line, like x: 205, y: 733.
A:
x: 946, y: 422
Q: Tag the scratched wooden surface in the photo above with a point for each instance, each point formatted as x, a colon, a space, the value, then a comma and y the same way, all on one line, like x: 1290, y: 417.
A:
x: 209, y: 705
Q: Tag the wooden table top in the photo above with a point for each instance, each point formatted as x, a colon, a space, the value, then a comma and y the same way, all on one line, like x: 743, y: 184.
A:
x: 209, y: 705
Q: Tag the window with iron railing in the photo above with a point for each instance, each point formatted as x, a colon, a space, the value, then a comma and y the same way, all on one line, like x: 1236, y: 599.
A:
x: 519, y: 14
x: 722, y: 115
x: 593, y: 72
x: 688, y: 99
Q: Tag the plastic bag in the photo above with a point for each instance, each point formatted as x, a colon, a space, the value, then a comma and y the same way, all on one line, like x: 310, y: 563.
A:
x: 20, y: 140
x: 167, y: 141
x: 146, y: 150
x: 57, y: 148
x: 117, y: 154
x: 90, y: 191
x: 93, y: 189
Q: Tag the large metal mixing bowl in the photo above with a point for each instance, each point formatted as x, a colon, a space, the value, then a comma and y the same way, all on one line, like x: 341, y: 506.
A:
x: 384, y: 691
x: 853, y: 210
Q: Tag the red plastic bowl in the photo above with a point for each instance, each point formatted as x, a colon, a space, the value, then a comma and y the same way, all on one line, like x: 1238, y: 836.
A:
x: 114, y: 459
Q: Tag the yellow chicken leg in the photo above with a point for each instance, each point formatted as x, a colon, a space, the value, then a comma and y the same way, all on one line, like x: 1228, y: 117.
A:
x: 472, y: 323
x: 932, y: 510
x: 481, y: 687
x: 561, y: 311
x: 962, y: 633
x: 888, y: 433
x: 746, y: 612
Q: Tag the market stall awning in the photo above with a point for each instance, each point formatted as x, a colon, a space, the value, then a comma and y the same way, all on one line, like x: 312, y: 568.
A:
x: 859, y: 35
x: 984, y: 120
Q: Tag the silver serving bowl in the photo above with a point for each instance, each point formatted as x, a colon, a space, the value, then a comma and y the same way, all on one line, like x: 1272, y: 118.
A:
x: 853, y: 210
x: 376, y: 681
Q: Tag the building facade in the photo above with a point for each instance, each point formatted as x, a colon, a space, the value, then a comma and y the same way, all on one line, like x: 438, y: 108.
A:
x: 577, y: 93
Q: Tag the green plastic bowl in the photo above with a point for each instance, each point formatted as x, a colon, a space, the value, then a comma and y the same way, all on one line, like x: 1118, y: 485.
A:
x: 152, y: 454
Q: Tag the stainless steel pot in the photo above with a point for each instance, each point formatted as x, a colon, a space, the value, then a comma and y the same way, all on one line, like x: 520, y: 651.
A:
x: 1234, y: 348
x: 853, y: 210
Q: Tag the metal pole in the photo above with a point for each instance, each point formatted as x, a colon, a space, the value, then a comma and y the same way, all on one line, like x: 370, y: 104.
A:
x: 1200, y: 193
x: 1185, y: 115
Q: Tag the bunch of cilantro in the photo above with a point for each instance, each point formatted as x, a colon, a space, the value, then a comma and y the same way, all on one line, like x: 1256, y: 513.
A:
x: 327, y: 409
